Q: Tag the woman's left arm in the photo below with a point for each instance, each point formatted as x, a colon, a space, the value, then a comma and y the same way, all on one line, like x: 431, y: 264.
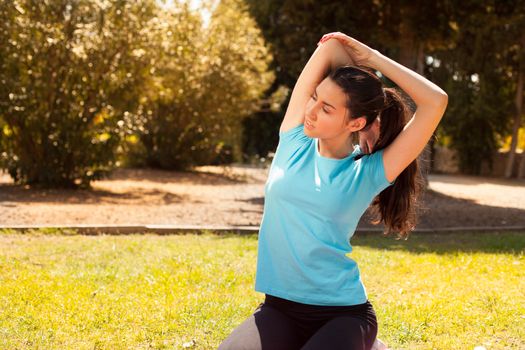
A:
x: 431, y: 102
x: 430, y: 99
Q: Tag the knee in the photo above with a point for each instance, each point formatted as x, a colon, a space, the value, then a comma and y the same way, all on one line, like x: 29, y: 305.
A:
x: 266, y: 329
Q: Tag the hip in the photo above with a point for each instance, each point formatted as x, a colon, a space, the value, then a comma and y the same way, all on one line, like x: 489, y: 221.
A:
x: 322, y: 313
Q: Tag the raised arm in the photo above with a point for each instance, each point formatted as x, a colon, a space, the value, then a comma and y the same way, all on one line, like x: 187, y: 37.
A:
x: 431, y: 102
x: 430, y: 99
x: 325, y: 57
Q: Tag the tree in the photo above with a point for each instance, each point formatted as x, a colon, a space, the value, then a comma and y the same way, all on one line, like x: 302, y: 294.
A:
x: 475, y: 72
x: 519, y: 70
x: 404, y: 30
x: 68, y: 78
x: 207, y: 81
x: 84, y: 81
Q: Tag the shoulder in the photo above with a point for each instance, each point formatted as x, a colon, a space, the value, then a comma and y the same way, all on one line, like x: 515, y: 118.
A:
x: 292, y: 133
x: 374, y: 169
x: 292, y: 140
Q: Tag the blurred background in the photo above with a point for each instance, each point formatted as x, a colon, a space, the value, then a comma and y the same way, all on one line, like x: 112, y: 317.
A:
x: 88, y: 86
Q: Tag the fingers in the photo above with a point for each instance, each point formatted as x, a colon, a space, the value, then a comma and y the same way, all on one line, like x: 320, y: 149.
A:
x: 368, y: 137
x: 365, y: 148
x: 330, y: 36
x: 370, y: 146
x: 324, y: 38
x: 364, y: 144
x: 337, y: 35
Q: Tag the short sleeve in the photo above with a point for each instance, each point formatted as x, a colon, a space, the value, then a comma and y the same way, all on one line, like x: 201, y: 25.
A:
x: 375, y: 170
x: 293, y: 133
x: 293, y: 138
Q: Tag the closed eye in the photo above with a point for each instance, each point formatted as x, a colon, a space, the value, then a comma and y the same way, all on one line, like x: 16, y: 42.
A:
x: 324, y: 109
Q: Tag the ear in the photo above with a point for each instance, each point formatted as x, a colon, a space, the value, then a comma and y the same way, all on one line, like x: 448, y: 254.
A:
x: 356, y: 124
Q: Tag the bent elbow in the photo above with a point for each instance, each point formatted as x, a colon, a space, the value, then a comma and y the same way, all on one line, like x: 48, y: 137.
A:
x: 440, y: 101
x: 443, y: 102
x: 443, y: 99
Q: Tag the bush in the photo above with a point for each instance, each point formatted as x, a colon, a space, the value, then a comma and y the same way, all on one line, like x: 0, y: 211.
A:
x: 210, y: 79
x: 68, y: 78
x: 84, y: 83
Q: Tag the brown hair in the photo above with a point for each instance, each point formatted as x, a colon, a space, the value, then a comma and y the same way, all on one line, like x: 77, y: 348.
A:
x: 395, y: 205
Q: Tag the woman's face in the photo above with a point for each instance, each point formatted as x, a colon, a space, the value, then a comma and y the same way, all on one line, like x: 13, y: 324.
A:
x: 326, y: 111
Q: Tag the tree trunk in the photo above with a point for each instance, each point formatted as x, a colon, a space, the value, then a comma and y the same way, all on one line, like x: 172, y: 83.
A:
x: 521, y: 168
x: 517, y: 121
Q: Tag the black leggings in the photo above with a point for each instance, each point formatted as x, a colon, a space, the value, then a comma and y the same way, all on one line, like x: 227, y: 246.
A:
x: 283, y: 324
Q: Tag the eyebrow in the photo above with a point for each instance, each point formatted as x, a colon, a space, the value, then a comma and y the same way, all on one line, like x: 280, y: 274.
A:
x: 315, y: 91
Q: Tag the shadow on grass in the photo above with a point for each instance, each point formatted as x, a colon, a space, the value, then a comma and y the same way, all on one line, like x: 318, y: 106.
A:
x: 421, y: 243
x: 450, y: 243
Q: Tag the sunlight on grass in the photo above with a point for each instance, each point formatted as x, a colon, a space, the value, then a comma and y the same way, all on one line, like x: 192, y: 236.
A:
x: 148, y: 291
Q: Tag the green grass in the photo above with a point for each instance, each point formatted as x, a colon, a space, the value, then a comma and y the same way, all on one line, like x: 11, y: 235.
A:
x: 453, y: 291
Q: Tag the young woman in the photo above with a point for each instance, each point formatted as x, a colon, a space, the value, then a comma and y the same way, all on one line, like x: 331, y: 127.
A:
x: 318, y: 187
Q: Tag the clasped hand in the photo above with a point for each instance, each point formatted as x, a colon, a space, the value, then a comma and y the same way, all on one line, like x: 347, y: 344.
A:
x: 359, y: 53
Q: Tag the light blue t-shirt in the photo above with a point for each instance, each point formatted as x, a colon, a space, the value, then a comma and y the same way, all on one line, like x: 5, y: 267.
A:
x: 311, y: 210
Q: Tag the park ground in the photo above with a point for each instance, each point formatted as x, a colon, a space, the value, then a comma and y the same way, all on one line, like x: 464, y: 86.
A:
x: 143, y: 291
x: 62, y: 290
x: 234, y: 195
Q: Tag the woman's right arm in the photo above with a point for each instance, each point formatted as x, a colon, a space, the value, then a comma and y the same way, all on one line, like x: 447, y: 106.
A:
x: 326, y: 57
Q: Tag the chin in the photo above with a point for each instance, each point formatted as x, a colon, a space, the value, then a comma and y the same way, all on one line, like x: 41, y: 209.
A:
x: 307, y: 131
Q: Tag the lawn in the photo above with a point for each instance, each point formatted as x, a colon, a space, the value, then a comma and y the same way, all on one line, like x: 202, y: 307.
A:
x: 61, y: 290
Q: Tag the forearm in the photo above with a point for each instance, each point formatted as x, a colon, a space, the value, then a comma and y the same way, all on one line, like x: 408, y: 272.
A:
x: 422, y: 91
x: 325, y: 58
x: 337, y: 55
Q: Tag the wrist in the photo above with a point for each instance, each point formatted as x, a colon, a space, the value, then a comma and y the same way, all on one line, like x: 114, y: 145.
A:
x: 375, y: 59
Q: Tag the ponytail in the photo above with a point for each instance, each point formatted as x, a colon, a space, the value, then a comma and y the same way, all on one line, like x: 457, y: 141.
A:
x: 396, y: 205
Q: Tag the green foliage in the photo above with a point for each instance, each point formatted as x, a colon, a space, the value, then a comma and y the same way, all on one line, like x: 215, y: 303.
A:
x: 209, y: 80
x: 471, y: 121
x: 521, y: 140
x: 68, y: 73
x: 86, y: 84
x: 293, y: 27
x: 468, y: 38
x: 146, y: 291
x: 260, y: 136
x: 479, y: 73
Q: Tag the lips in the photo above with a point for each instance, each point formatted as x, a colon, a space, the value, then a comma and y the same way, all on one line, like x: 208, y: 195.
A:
x: 308, y: 124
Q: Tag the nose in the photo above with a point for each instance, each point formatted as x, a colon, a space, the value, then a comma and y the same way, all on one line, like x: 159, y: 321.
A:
x: 311, y: 112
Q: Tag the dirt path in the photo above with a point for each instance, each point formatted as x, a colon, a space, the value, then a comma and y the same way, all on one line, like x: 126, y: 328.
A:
x: 235, y: 196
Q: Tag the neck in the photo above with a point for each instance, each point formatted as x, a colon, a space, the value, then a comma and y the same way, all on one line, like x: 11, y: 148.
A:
x: 337, y: 148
